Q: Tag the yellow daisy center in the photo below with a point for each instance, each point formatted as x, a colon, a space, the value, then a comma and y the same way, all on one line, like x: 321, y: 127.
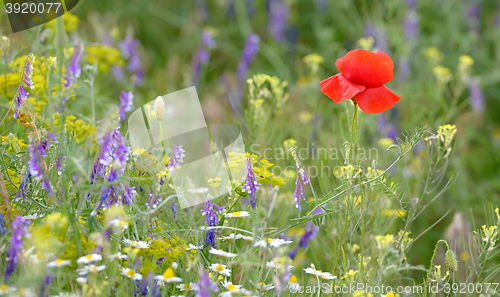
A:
x: 219, y: 267
x: 232, y: 287
x: 169, y: 273
x: 4, y: 287
x: 262, y: 284
x: 131, y: 273
x: 236, y: 214
x: 293, y: 279
x: 122, y: 223
x: 88, y: 257
x: 59, y: 261
x: 187, y: 287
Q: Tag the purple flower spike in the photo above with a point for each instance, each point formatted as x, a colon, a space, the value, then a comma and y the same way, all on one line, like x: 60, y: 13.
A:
x: 251, y: 185
x: 21, y: 93
x: 19, y: 232
x: 211, y: 220
x: 204, y: 286
x: 126, y: 101
x: 278, y: 22
x: 177, y: 156
x: 36, y: 167
x: 476, y: 95
x: 249, y: 52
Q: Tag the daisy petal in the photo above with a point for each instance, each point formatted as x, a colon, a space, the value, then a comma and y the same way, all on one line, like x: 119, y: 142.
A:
x: 339, y: 88
x: 365, y: 68
x: 376, y: 100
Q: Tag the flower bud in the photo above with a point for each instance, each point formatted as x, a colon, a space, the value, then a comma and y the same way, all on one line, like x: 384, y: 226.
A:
x: 159, y: 108
x: 451, y: 261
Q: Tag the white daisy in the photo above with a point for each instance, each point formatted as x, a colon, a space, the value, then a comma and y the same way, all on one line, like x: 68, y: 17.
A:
x: 262, y: 287
x: 26, y: 292
x: 4, y: 289
x: 186, y: 287
x: 272, y: 264
x: 168, y: 277
x: 130, y: 273
x: 222, y: 253
x: 90, y: 268
x: 118, y: 256
x: 293, y: 284
x: 193, y: 247
x: 232, y: 289
x: 65, y: 294
x: 278, y: 242
x: 237, y: 214
x: 137, y: 244
x: 231, y: 237
x: 323, y: 275
x: 174, y: 265
x: 221, y: 269
x: 119, y: 223
x: 89, y: 258
x: 34, y: 216
x: 58, y: 263
x: 81, y: 280
x: 244, y: 237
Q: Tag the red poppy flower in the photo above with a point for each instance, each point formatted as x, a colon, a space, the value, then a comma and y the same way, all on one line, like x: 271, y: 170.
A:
x: 362, y: 76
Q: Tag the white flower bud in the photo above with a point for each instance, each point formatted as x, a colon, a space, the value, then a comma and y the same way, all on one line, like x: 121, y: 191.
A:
x: 159, y: 108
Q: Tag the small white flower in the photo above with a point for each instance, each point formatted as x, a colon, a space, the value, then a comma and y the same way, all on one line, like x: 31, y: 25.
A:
x: 89, y: 258
x: 244, y: 237
x: 193, y: 247
x: 231, y: 237
x: 293, y: 284
x: 34, y: 216
x: 278, y: 242
x: 186, y: 287
x: 26, y: 292
x: 4, y: 289
x: 90, y: 268
x: 237, y: 214
x: 130, y: 273
x: 137, y: 244
x: 232, y: 289
x: 198, y: 190
x: 58, y: 263
x: 81, y: 280
x: 118, y: 256
x: 272, y: 264
x: 323, y: 275
x: 222, y: 253
x: 221, y: 269
x: 174, y: 265
x: 262, y: 287
x: 119, y: 224
x: 168, y: 277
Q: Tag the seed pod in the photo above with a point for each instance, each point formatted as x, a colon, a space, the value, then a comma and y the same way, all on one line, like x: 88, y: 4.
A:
x: 451, y: 261
x: 159, y: 108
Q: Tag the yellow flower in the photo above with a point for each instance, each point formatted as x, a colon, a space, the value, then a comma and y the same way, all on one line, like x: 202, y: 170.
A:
x: 366, y: 43
x: 446, y: 133
x: 401, y: 213
x: 383, y: 241
x: 70, y: 22
x: 385, y: 142
x: 443, y: 74
x: 433, y: 54
x: 466, y: 61
x: 105, y: 56
x: 313, y: 61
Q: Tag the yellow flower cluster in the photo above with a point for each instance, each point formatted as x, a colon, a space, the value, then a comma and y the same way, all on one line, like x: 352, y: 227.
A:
x: 313, y: 61
x: 446, y: 133
x: 70, y: 22
x: 53, y: 235
x: 170, y: 248
x: 384, y: 241
x: 400, y: 213
x: 104, y: 56
x: 79, y: 129
x: 268, y: 88
x: 366, y: 43
x: 238, y: 161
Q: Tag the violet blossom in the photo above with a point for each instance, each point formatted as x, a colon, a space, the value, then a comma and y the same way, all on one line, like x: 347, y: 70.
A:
x: 249, y: 52
x: 36, y: 167
x: 278, y: 19
x: 251, y: 185
x: 177, y: 157
x: 204, y: 286
x: 19, y: 233
x: 21, y: 93
x: 211, y: 220
x: 126, y: 101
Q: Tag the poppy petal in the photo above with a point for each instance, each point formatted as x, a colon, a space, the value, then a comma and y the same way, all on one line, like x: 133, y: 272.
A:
x: 339, y: 88
x: 365, y: 68
x: 376, y: 100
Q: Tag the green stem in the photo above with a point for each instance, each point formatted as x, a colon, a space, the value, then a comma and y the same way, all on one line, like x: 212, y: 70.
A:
x: 360, y: 187
x: 347, y: 218
x: 432, y: 262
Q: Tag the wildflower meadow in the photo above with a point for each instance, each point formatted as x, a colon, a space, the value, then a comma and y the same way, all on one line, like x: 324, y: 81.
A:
x: 250, y: 148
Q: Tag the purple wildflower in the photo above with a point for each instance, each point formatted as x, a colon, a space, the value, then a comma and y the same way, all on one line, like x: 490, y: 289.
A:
x: 200, y: 57
x: 249, y: 52
x: 211, y: 220
x: 21, y: 93
x: 251, y: 185
x: 379, y: 35
x: 3, y: 230
x: 23, y: 186
x: 74, y: 69
x: 310, y: 233
x: 411, y: 24
x: 412, y: 3
x: 473, y: 14
x: 278, y: 19
x: 296, y: 194
x: 36, y: 167
x: 204, y: 286
x: 207, y: 39
x: 118, y: 73
x: 126, y: 101
x: 153, y: 201
x: 177, y: 156
x: 129, y: 46
x: 476, y: 95
x: 174, y: 210
x: 19, y: 232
